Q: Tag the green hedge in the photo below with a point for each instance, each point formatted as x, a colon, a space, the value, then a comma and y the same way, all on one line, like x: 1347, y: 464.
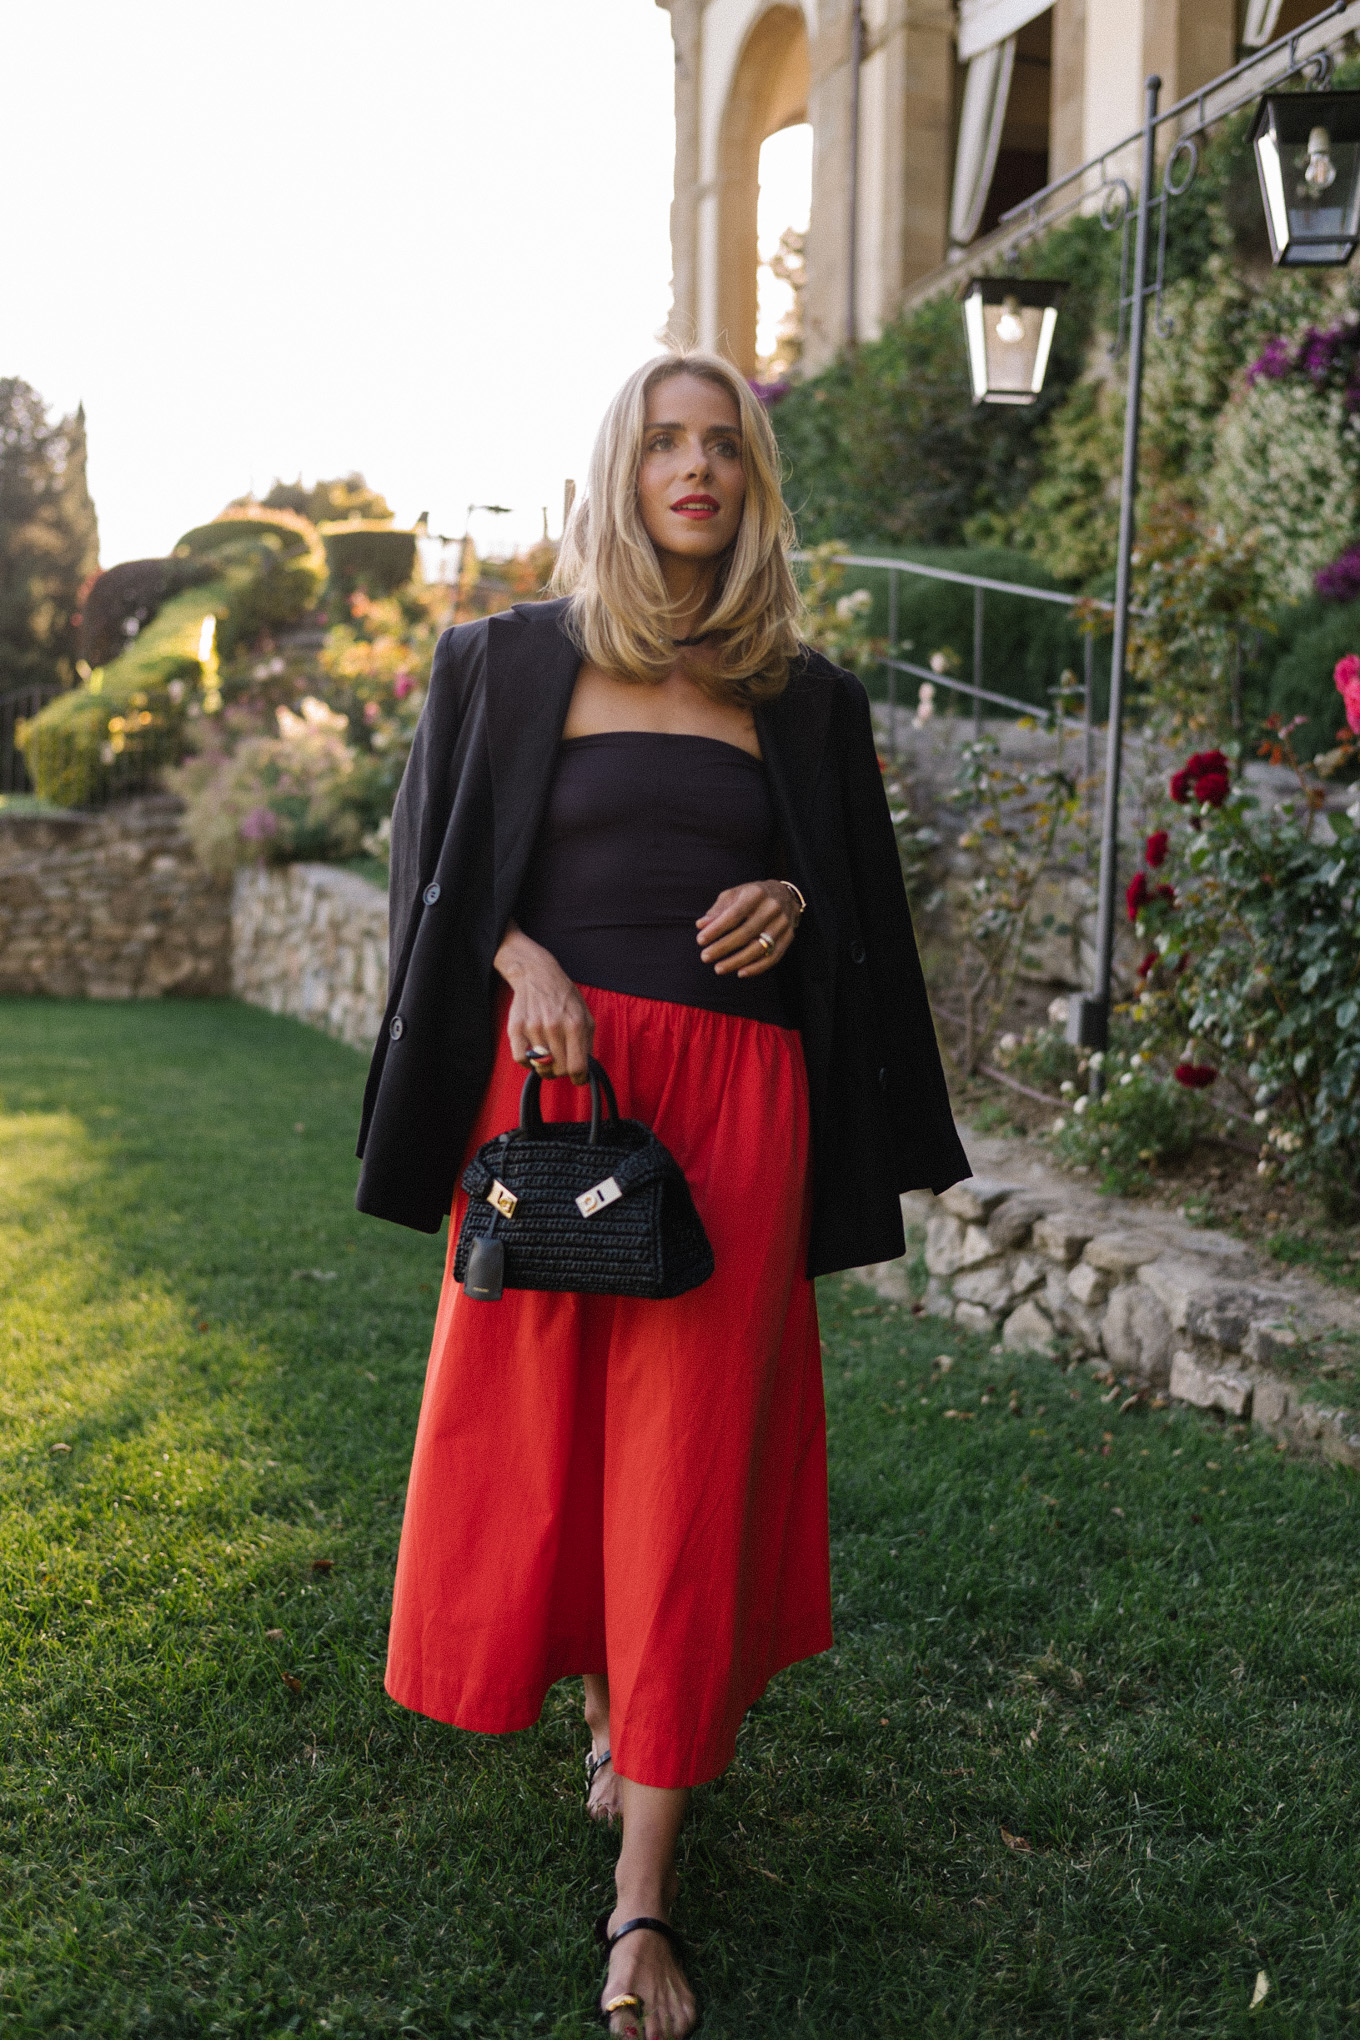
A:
x: 130, y: 715
x: 266, y: 573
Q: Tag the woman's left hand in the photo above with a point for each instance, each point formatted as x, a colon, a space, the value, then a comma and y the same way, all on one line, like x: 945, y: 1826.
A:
x: 730, y: 932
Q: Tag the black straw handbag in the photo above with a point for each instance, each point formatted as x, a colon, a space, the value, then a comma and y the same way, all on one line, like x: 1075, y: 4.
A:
x: 603, y: 1209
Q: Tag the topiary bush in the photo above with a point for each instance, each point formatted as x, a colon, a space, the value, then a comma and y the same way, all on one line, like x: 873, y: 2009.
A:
x: 366, y: 558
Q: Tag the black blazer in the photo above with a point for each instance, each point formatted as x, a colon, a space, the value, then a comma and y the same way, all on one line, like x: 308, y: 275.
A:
x: 462, y: 831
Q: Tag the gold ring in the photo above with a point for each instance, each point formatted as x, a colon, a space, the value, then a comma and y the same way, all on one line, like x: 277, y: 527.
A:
x: 766, y: 944
x: 623, y: 2004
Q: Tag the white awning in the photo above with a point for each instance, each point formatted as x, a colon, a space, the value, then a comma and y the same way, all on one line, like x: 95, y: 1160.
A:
x: 981, y: 119
x: 984, y: 22
x: 1259, y: 27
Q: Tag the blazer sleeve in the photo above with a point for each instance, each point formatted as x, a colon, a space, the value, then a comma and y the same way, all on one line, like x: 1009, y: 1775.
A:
x: 917, y: 1095
x: 421, y: 812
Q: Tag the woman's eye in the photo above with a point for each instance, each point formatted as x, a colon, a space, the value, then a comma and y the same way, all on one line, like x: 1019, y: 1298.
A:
x: 728, y: 448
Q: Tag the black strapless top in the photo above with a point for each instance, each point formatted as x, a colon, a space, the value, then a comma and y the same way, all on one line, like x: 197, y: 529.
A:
x: 641, y: 833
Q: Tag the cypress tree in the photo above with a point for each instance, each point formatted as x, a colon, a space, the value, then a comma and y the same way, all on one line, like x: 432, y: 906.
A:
x: 49, y: 538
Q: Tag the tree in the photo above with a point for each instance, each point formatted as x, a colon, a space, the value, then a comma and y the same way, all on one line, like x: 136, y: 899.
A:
x: 328, y: 502
x: 49, y: 538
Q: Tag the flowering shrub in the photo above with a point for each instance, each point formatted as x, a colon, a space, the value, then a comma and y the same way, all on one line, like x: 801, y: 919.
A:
x: 276, y: 798
x: 837, y: 622
x: 1255, y: 972
x: 1286, y: 465
x: 1022, y: 838
x: 1138, y: 1121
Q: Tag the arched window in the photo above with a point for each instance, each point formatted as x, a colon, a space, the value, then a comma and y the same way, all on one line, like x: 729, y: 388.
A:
x: 785, y: 200
x: 768, y: 93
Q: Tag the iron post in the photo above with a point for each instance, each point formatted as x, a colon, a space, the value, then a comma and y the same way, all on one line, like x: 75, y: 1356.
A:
x: 1089, y: 1022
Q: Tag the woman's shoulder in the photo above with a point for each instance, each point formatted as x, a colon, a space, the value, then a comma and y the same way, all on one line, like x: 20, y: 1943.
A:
x: 835, y: 689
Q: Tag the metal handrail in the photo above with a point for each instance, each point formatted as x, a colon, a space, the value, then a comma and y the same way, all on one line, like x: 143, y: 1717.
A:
x: 981, y: 584
x: 957, y: 574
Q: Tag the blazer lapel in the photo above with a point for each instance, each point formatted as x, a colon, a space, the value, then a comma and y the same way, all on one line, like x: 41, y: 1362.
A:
x: 531, y: 668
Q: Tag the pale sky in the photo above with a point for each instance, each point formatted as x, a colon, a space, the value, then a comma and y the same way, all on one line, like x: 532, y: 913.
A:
x: 426, y: 240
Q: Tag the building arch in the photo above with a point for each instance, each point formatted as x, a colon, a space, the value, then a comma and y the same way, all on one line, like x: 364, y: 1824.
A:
x: 768, y: 90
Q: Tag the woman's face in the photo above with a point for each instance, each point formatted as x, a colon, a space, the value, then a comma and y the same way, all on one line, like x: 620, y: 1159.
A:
x: 691, y: 485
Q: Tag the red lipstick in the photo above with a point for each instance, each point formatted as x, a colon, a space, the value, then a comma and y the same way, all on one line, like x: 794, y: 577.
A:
x: 696, y: 506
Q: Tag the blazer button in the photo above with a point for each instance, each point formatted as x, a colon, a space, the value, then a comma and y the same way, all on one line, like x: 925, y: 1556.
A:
x: 856, y: 952
x: 431, y: 892
x: 397, y: 1028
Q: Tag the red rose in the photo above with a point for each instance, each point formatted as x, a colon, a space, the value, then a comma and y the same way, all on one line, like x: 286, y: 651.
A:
x: 1150, y: 962
x: 1167, y: 893
x: 1155, y: 848
x: 1181, y: 782
x: 1194, y: 1076
x: 1206, y: 761
x: 1137, y: 893
x: 1213, y: 787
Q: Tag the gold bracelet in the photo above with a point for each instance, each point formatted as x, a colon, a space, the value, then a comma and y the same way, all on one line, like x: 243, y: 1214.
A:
x: 802, y: 903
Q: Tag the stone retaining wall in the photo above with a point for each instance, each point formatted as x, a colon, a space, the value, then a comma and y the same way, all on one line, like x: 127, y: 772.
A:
x: 109, y: 906
x: 311, y: 941
x: 1181, y: 1316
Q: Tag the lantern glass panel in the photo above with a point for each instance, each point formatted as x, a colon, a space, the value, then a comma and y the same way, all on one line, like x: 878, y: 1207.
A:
x: 1308, y: 160
x: 1009, y: 324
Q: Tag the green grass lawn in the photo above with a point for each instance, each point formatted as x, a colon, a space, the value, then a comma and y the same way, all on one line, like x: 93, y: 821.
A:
x: 1083, y: 1760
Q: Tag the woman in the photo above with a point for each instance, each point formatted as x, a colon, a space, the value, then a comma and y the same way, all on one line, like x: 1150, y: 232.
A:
x: 643, y: 822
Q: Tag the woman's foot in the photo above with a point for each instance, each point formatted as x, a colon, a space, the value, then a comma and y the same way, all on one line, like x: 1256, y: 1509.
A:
x: 604, y: 1799
x: 604, y: 1795
x: 645, y: 1965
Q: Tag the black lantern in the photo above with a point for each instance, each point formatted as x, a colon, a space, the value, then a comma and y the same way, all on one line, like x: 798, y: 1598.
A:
x: 1009, y: 322
x: 1308, y: 158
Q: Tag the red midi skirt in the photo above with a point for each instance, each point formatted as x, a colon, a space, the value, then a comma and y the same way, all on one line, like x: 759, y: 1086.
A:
x: 607, y: 1484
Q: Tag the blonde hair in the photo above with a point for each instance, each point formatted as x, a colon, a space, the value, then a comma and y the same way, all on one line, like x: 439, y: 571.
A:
x: 620, y: 614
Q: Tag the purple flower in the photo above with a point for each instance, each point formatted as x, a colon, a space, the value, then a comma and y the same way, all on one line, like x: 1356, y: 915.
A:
x: 1274, y: 362
x: 260, y: 823
x: 770, y: 393
x: 1340, y: 582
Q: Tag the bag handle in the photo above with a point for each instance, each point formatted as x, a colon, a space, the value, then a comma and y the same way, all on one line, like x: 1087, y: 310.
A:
x: 531, y: 1105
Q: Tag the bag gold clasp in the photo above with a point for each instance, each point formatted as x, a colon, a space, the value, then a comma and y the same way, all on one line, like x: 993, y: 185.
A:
x: 591, y: 1201
x: 503, y: 1199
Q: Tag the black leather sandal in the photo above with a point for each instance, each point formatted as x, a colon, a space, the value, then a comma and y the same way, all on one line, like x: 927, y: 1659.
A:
x: 628, y: 2000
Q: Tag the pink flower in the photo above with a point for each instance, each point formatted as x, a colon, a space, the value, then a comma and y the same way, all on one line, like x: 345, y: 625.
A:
x: 1135, y: 899
x: 259, y: 824
x: 1347, y: 677
x: 1194, y: 1076
x: 403, y: 685
x: 371, y: 711
x: 1155, y: 848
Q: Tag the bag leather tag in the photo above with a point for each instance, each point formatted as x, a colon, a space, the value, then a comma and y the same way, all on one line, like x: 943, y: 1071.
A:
x: 485, y: 1277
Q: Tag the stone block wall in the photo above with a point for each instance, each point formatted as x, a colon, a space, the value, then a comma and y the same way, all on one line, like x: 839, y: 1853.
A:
x: 311, y: 941
x: 1174, y: 1312
x: 110, y: 906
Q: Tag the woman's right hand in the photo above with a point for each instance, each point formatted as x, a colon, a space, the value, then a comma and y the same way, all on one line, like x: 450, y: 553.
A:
x: 546, y: 1010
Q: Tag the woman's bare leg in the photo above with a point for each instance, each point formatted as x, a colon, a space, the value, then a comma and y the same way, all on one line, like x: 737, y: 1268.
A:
x: 606, y: 1800
x: 644, y: 1963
